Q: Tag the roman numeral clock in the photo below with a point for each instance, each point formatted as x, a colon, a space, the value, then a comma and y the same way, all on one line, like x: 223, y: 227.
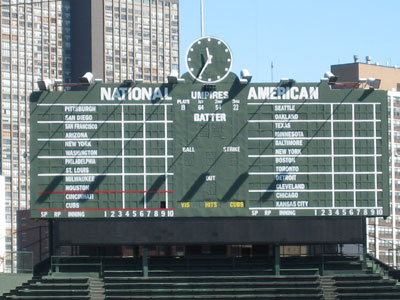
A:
x: 209, y: 60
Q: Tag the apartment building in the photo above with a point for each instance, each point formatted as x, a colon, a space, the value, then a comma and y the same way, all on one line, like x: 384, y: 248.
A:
x: 383, y: 238
x: 63, y: 39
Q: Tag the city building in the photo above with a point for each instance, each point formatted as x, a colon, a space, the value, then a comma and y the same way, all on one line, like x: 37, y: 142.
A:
x: 115, y: 39
x: 125, y: 39
x: 353, y: 72
x: 32, y: 240
x: 2, y: 224
x: 35, y: 43
x: 383, y: 238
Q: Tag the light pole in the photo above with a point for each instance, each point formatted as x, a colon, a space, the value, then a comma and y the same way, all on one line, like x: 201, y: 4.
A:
x: 202, y: 17
x: 393, y: 176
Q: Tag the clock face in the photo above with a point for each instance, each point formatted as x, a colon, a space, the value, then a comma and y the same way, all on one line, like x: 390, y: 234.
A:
x: 209, y: 60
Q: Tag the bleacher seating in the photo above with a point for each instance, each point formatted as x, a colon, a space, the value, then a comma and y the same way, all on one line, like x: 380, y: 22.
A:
x: 366, y: 286
x: 214, y: 287
x: 326, y: 264
x: 51, y: 288
x: 333, y: 277
x: 210, y: 278
x: 201, y: 266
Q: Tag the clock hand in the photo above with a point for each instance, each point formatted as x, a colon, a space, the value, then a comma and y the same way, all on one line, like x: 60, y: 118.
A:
x: 209, y: 61
x: 209, y: 57
x: 204, y: 68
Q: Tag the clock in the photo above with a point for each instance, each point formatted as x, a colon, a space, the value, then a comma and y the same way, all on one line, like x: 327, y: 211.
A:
x: 209, y: 60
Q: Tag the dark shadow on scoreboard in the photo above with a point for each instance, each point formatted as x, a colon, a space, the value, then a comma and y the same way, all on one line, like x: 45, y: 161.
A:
x: 156, y: 186
x: 365, y: 94
x: 267, y: 195
x: 57, y: 180
x: 34, y: 98
x: 227, y: 196
x: 154, y: 100
x: 51, y: 187
x: 235, y: 187
x: 96, y: 183
x: 195, y: 187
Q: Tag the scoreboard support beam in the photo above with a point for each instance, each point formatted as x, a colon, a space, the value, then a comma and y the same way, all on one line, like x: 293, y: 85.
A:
x: 51, y: 237
x: 365, y: 244
x: 277, y: 259
x: 145, y: 262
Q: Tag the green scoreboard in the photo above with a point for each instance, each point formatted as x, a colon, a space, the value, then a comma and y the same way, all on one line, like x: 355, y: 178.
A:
x: 221, y: 149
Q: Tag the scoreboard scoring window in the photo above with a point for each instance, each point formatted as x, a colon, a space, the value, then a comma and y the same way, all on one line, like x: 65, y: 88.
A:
x: 183, y: 150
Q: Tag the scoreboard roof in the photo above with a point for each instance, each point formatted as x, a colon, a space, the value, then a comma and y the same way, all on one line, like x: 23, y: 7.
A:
x: 197, y: 150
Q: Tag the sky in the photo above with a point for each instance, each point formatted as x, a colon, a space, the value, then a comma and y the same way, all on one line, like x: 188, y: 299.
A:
x: 301, y: 38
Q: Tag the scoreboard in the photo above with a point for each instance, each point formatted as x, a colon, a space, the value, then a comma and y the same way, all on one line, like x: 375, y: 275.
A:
x: 197, y: 150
